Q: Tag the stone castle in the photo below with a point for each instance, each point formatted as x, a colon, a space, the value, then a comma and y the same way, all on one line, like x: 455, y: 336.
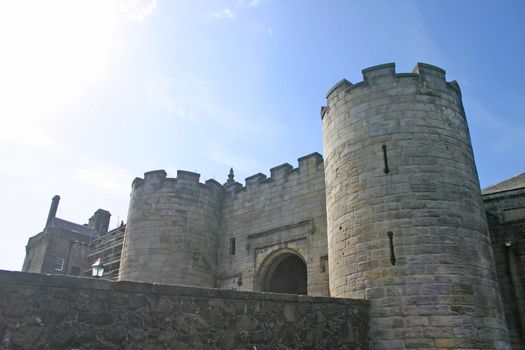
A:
x: 393, y: 214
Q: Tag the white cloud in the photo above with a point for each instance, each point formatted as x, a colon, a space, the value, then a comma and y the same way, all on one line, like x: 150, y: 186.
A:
x: 224, y: 14
x: 157, y: 91
x: 136, y: 10
x: 161, y: 92
x: 194, y: 99
x: 241, y: 165
x: 106, y: 177
x: 255, y: 2
x: 489, y: 120
x: 23, y: 133
x: 239, y: 5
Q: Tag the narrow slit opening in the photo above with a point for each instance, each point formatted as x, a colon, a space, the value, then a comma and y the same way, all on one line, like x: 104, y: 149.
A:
x: 385, y: 159
x: 392, y: 254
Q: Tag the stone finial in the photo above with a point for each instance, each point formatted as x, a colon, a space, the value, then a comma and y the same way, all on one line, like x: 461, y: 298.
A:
x: 231, y: 179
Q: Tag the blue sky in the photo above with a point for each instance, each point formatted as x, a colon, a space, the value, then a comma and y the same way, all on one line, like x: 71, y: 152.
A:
x: 95, y: 93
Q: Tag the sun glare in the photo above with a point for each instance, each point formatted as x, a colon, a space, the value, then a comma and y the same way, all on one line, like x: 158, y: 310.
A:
x: 52, y: 50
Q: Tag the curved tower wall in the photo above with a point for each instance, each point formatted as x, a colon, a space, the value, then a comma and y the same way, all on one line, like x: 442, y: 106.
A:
x: 399, y: 164
x: 172, y: 230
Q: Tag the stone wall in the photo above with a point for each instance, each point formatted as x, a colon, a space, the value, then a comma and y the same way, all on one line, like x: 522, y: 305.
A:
x: 506, y: 216
x: 44, y: 249
x: 272, y: 217
x: 36, y: 252
x: 60, y: 312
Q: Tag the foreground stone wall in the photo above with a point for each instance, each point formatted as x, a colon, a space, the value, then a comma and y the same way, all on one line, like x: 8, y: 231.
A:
x: 60, y: 312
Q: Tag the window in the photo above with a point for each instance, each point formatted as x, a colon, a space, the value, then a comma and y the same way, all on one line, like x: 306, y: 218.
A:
x: 75, y: 271
x: 59, y: 264
x: 232, y: 246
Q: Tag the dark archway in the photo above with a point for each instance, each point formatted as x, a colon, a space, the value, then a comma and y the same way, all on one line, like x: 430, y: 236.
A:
x: 287, y: 274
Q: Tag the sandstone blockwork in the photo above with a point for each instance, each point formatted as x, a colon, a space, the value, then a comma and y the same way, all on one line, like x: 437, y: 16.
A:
x: 230, y: 236
x: 406, y: 222
x: 277, y: 223
x: 172, y: 231
x: 60, y: 312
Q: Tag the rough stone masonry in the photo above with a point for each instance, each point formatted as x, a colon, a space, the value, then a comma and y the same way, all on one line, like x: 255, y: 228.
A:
x: 40, y: 311
x: 393, y: 215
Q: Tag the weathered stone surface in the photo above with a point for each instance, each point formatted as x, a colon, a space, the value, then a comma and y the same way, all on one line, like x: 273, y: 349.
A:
x: 172, y: 230
x: 402, y: 188
x: 126, y: 315
x: 508, y: 244
x: 400, y: 222
x: 281, y: 215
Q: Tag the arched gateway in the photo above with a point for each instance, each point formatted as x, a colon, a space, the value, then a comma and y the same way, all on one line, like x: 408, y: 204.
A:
x: 283, y: 271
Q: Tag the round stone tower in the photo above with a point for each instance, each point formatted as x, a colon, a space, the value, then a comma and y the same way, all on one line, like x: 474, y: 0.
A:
x: 406, y: 223
x: 172, y: 230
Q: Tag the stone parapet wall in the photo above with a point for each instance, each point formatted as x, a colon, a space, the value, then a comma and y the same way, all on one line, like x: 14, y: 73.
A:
x: 60, y: 312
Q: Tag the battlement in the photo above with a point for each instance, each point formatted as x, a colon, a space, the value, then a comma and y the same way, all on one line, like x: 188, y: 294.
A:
x: 430, y: 74
x: 190, y: 177
x: 379, y: 74
x: 428, y: 79
x: 306, y: 165
x: 280, y: 171
x: 255, y: 179
x: 342, y: 84
x: 156, y: 179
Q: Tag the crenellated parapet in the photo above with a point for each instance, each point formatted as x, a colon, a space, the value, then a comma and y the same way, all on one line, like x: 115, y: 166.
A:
x: 308, y: 165
x: 425, y: 79
x: 157, y: 179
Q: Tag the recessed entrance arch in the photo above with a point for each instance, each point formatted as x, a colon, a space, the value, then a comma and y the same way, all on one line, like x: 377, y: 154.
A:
x: 283, y: 271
